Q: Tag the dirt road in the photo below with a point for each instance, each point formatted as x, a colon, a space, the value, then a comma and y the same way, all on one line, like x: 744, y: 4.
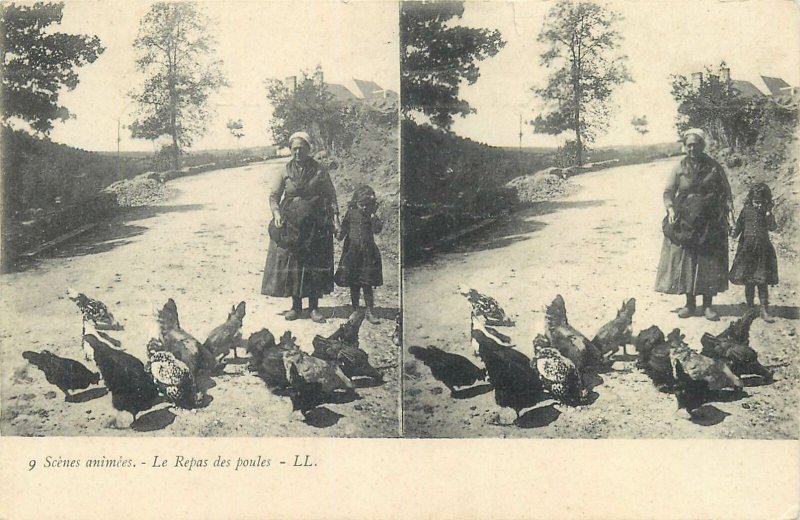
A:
x: 205, y: 247
x: 595, y: 248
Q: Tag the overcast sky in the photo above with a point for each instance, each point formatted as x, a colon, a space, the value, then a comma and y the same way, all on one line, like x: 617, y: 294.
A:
x: 256, y: 40
x: 755, y: 37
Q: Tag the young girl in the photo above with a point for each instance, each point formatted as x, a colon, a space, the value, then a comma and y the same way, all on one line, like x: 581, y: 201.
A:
x: 755, y: 264
x: 360, y: 265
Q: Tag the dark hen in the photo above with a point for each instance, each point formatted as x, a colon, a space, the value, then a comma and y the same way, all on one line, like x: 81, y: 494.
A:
x: 451, y: 369
x: 305, y: 395
x: 66, y: 374
x: 617, y: 332
x: 487, y: 307
x: 742, y: 359
x: 689, y: 393
x: 654, y: 359
x: 567, y: 340
x: 479, y: 323
x: 739, y: 330
x: 645, y: 341
x: 172, y: 377
x: 228, y: 336
x: 266, y: 357
x: 132, y: 388
x: 348, y: 331
x: 316, y: 370
x: 557, y: 373
x: 516, y: 383
x: 180, y: 343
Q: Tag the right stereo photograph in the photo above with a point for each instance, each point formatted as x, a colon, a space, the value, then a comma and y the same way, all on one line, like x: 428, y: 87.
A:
x: 599, y: 224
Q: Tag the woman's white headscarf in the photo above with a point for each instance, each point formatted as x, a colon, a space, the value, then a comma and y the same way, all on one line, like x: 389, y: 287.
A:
x: 302, y: 136
x: 697, y: 132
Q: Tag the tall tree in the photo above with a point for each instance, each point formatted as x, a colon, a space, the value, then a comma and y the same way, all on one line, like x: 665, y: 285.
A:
x: 305, y: 104
x: 236, y: 128
x: 176, y: 54
x: 436, y: 57
x: 581, y: 54
x: 38, y: 63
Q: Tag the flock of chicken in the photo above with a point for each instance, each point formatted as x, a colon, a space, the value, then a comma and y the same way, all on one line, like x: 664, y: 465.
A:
x: 564, y: 358
x: 178, y: 367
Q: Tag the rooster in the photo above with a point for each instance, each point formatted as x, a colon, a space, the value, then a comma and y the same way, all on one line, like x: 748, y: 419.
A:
x: 742, y: 359
x: 557, y: 373
x: 227, y: 336
x: 451, y: 369
x: 131, y: 386
x: 66, y: 374
x: 617, y: 332
x: 342, y: 347
x: 487, y: 307
x: 567, y: 340
x: 172, y: 377
x: 516, y: 383
x: 180, y: 343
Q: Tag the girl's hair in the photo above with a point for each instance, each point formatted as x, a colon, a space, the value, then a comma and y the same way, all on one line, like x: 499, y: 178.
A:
x: 759, y: 191
x: 362, y: 193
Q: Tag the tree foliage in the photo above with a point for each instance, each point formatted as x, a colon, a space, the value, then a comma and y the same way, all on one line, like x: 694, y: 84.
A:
x: 730, y: 118
x: 306, y: 106
x: 437, y: 57
x: 581, y: 54
x: 38, y: 63
x: 176, y: 54
x: 236, y: 128
x: 640, y: 124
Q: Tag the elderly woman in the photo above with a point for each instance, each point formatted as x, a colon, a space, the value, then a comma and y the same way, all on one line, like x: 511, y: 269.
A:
x: 305, y: 216
x: 694, y: 255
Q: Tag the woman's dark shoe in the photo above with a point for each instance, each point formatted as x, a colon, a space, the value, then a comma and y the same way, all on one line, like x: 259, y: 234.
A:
x: 370, y: 317
x: 291, y: 315
x: 686, y: 312
x: 710, y: 314
x: 765, y: 315
x: 316, y: 316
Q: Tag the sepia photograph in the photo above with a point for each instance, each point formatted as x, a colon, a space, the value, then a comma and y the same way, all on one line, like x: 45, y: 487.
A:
x: 200, y: 231
x: 599, y: 219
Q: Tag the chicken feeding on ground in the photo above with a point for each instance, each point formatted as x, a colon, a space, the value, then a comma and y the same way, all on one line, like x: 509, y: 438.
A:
x: 305, y: 395
x: 516, y: 383
x: 315, y: 370
x: 487, y: 307
x: 451, y: 369
x: 94, y: 310
x: 66, y: 374
x: 478, y: 322
x: 342, y: 347
x: 180, y: 343
x: 132, y: 388
x: 653, y: 351
x: 557, y: 373
x: 739, y: 330
x: 266, y: 357
x: 567, y: 340
x: 617, y: 332
x: 742, y: 359
x: 227, y: 336
x: 173, y: 377
x: 697, y: 376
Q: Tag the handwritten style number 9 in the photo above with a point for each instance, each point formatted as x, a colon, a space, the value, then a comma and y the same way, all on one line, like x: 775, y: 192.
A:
x: 31, y: 464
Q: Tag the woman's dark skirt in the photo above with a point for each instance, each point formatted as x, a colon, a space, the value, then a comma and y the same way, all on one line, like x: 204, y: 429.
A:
x: 287, y: 274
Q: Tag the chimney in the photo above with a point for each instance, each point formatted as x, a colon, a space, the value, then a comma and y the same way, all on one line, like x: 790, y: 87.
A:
x: 318, y: 79
x: 697, y: 79
x: 724, y: 75
x: 291, y: 83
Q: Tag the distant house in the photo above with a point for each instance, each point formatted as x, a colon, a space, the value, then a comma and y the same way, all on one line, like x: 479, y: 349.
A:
x: 762, y: 86
x: 352, y: 91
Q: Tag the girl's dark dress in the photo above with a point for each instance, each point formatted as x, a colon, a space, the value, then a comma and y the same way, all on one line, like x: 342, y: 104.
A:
x: 755, y: 262
x: 308, y: 273
x: 360, y: 263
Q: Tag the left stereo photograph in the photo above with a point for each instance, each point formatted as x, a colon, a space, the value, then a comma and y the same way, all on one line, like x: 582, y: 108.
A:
x: 200, y: 228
